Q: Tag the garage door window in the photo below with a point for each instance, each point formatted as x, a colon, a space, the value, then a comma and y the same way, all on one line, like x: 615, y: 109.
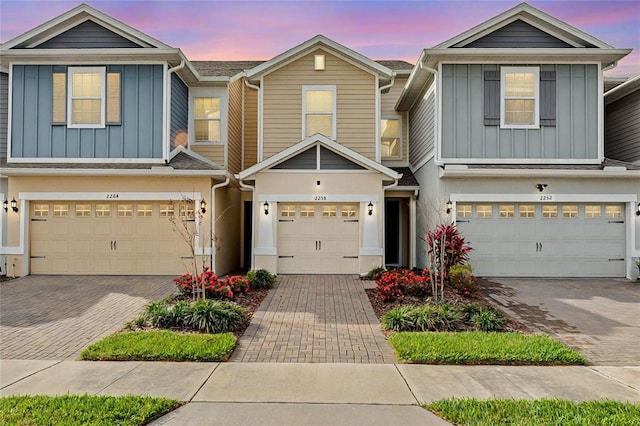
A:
x: 507, y: 211
x: 144, y: 210
x: 166, y: 210
x: 103, y: 210
x: 484, y: 211
x: 125, y: 210
x: 187, y: 210
x: 527, y: 211
x: 41, y: 210
x: 549, y: 211
x: 61, y: 210
x: 288, y: 211
x: 329, y: 211
x: 613, y: 212
x: 592, y: 212
x: 83, y: 210
x: 570, y: 212
x: 349, y: 211
x: 307, y: 211
x: 463, y: 211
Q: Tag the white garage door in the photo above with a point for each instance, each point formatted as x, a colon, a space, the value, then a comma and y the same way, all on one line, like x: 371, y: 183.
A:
x: 318, y: 238
x: 546, y: 240
x: 100, y: 238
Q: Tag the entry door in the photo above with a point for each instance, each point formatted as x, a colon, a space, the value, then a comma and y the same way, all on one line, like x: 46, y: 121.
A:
x: 392, y: 231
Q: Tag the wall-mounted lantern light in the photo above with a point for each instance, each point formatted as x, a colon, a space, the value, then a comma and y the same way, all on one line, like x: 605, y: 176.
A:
x: 370, y: 208
x: 541, y: 186
x: 5, y: 205
x: 14, y: 205
x: 449, y: 206
x: 265, y: 206
x: 203, y: 206
x: 638, y: 210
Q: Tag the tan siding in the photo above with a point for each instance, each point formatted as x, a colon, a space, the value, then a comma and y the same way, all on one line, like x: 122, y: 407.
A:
x: 387, y: 108
x: 250, y: 127
x: 234, y: 134
x: 214, y: 153
x: 355, y: 103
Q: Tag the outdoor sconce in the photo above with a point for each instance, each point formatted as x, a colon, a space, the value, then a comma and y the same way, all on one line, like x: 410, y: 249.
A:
x: 203, y: 206
x: 5, y: 205
x: 449, y: 206
x: 638, y: 211
x: 265, y: 206
x: 14, y: 205
x: 541, y: 186
x: 370, y: 208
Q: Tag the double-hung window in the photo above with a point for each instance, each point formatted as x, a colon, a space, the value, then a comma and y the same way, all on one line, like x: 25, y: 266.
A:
x: 206, y: 115
x: 520, y: 97
x: 86, y: 99
x: 390, y: 137
x: 319, y: 111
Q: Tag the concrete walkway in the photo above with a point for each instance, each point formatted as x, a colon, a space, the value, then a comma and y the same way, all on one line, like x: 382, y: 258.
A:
x: 55, y: 317
x: 315, y: 318
x: 307, y: 394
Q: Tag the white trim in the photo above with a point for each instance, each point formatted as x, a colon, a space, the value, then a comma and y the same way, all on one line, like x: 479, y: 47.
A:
x: 265, y: 251
x: 91, y: 62
x: 108, y: 196
x: 438, y: 144
x: 317, y: 170
x: 622, y: 90
x: 102, y: 71
x: 220, y: 93
x: 535, y: 198
x: 323, y: 88
x: 536, y: 96
x: 260, y: 153
x: 600, y: 113
x: 453, y: 172
x: 371, y: 251
x: 378, y: 118
x: 74, y: 160
x: 312, y: 198
x: 154, y: 171
x: 166, y: 113
x: 586, y: 161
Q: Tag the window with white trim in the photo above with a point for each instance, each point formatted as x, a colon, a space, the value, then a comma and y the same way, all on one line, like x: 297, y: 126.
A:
x: 86, y: 97
x: 206, y: 116
x: 390, y: 137
x: 83, y: 210
x: 348, y: 211
x: 507, y: 211
x: 613, y: 212
x: 288, y: 211
x: 463, y: 211
x: 319, y: 111
x: 520, y: 97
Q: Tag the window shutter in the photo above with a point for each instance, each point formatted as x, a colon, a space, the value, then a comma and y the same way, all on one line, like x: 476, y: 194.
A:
x: 547, y: 98
x: 492, y: 98
x: 113, y: 98
x: 59, y: 104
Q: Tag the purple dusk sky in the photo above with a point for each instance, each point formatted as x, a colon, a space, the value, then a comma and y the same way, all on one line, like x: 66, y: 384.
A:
x: 259, y: 30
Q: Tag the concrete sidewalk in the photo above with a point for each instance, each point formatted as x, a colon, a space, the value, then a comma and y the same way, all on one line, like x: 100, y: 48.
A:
x: 252, y: 393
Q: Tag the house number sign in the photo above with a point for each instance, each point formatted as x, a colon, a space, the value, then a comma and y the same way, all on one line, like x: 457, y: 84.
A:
x: 545, y: 197
x: 112, y: 196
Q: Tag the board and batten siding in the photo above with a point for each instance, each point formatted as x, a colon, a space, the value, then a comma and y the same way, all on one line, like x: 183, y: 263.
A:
x: 88, y: 35
x: 234, y: 136
x: 422, y: 123
x: 179, y: 112
x: 355, y: 104
x: 250, y: 127
x: 622, y: 128
x: 387, y: 110
x: 465, y: 136
x: 138, y: 136
x: 4, y: 110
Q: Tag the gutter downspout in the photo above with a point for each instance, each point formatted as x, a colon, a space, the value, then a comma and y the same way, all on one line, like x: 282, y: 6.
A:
x: 259, y: 141
x: 213, y: 222
x: 167, y: 111
x: 253, y: 224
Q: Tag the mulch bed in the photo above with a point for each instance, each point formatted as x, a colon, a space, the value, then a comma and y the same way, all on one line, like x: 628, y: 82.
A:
x: 451, y: 295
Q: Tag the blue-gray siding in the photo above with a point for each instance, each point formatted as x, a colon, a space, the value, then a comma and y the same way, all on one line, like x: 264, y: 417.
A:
x: 88, y: 35
x: 422, y: 119
x: 179, y: 111
x: 464, y: 134
x: 622, y: 128
x: 518, y: 34
x: 4, y: 103
x: 139, y: 136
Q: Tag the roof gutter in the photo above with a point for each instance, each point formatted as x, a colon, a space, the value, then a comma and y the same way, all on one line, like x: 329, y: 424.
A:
x: 525, y: 173
x: 167, y: 111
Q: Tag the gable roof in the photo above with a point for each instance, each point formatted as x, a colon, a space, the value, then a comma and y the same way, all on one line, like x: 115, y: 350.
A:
x: 325, y: 43
x: 323, y: 141
x: 622, y: 90
x: 74, y: 17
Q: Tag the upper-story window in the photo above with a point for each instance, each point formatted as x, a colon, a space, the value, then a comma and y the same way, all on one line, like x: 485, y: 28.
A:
x: 390, y: 137
x: 207, y: 119
x: 86, y: 97
x: 520, y: 97
x: 319, y: 111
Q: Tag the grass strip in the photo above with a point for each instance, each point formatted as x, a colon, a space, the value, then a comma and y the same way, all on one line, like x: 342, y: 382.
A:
x: 497, y: 412
x: 162, y: 345
x: 476, y: 348
x: 81, y: 410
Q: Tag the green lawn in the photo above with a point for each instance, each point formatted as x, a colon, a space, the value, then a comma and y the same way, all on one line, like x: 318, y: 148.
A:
x: 474, y: 347
x: 161, y: 345
x: 497, y: 412
x: 81, y: 410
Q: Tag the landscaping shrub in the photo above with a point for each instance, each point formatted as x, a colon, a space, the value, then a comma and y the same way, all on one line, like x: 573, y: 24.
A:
x: 399, y: 319
x: 214, y: 317
x: 489, y: 319
x: 428, y: 317
x: 237, y: 284
x: 260, y: 279
x: 456, y: 250
x: 461, y: 277
x: 159, y: 315
x: 215, y: 287
x: 185, y: 283
x: 375, y: 273
x: 447, y: 317
x: 393, y: 285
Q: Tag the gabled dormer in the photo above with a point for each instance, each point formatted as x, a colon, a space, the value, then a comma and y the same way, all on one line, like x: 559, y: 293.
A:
x: 520, y: 88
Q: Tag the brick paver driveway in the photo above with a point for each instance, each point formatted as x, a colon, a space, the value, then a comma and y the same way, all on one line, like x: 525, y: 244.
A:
x: 598, y: 317
x: 315, y: 318
x: 54, y: 317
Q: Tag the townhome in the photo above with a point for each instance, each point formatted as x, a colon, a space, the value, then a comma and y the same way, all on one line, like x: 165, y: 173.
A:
x: 508, y: 142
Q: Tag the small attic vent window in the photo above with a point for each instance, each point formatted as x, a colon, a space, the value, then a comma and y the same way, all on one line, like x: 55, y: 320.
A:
x: 318, y: 62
